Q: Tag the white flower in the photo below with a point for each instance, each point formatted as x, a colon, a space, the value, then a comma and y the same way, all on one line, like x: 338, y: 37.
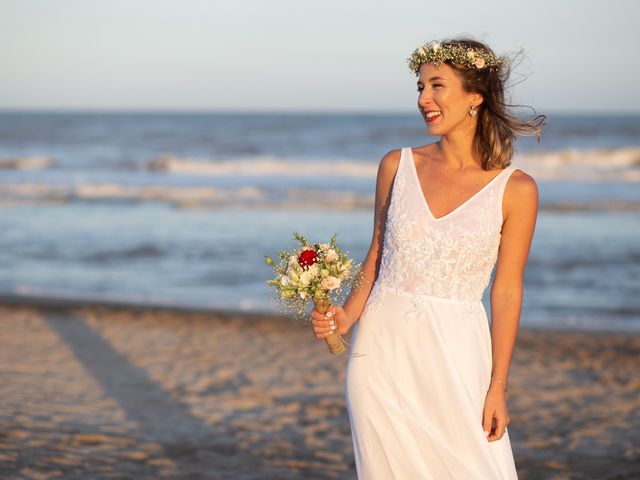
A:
x: 293, y: 276
x: 435, y: 47
x: 331, y: 256
x: 284, y: 281
x: 306, y: 277
x: 422, y: 51
x: 314, y: 270
x: 330, y: 283
x: 324, y: 247
x: 303, y: 295
x: 471, y: 54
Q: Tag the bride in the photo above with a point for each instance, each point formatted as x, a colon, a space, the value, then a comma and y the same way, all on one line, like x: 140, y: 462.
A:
x: 427, y: 376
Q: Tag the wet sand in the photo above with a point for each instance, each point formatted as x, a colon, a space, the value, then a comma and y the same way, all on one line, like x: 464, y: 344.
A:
x: 147, y: 393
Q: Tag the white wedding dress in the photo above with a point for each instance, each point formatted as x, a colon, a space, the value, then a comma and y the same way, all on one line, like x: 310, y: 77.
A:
x: 420, y: 356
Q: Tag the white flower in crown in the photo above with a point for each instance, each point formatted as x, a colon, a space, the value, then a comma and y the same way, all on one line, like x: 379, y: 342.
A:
x: 330, y: 283
x: 324, y: 247
x: 459, y: 54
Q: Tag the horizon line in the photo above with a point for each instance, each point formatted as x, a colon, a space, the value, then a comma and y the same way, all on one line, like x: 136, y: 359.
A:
x: 293, y: 111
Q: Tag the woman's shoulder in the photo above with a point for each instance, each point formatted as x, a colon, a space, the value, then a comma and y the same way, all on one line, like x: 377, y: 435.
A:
x: 391, y: 159
x: 520, y: 180
x: 521, y: 188
x: 426, y: 150
x: 389, y: 162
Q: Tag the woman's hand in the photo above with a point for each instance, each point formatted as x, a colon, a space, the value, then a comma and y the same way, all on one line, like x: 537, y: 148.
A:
x: 495, y: 417
x: 336, y: 319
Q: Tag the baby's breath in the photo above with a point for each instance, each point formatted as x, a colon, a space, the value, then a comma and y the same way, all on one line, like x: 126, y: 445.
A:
x: 326, y: 274
x: 437, y: 53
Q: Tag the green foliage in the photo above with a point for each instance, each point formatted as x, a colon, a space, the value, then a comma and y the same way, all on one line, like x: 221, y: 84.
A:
x: 297, y: 284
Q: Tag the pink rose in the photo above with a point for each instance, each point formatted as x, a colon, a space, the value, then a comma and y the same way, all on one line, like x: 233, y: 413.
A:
x: 479, y: 62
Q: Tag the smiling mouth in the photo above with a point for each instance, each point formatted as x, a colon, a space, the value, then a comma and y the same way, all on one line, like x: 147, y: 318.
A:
x: 432, y: 115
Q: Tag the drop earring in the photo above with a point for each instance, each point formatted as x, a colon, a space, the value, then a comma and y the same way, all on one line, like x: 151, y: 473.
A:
x: 473, y: 112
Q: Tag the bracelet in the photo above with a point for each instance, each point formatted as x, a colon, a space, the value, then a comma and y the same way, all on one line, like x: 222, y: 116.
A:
x: 504, y: 384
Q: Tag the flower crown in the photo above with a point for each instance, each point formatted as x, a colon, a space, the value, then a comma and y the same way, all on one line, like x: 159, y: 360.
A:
x: 437, y: 53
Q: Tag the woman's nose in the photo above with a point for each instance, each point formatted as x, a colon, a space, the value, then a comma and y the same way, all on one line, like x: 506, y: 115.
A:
x: 424, y: 98
x: 424, y: 103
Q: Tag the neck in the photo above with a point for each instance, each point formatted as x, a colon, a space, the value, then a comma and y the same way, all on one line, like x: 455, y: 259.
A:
x: 457, y: 150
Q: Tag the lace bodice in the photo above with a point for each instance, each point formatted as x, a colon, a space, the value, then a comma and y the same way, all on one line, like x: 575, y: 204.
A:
x: 450, y: 256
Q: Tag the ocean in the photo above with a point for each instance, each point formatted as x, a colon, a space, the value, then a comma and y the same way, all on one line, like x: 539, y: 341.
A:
x: 178, y: 209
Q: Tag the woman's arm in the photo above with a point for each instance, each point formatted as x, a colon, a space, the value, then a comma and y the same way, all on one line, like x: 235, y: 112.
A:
x: 354, y: 305
x: 350, y: 312
x: 520, y: 214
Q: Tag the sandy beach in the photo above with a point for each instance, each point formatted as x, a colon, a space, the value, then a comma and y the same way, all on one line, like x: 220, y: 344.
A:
x: 101, y: 391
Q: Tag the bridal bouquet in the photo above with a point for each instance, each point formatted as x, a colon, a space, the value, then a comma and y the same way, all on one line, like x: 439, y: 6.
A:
x: 312, y: 272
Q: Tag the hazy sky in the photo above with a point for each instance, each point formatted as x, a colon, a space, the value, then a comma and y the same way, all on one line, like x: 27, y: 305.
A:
x: 255, y: 55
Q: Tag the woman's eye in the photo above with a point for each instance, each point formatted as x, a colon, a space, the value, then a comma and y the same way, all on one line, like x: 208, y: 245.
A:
x: 435, y: 85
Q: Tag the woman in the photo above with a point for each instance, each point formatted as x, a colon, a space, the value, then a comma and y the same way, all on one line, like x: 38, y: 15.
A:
x: 427, y: 377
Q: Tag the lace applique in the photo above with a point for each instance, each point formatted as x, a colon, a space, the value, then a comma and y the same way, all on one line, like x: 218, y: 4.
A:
x: 450, y: 257
x: 396, y: 204
x: 373, y: 302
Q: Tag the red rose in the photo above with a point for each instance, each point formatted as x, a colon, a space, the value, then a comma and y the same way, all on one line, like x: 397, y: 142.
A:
x: 307, y: 258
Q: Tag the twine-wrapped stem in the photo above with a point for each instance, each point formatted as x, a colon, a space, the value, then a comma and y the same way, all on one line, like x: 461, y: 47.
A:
x: 334, y: 341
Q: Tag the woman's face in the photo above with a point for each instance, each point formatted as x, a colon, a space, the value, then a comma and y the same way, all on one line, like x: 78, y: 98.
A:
x: 443, y: 103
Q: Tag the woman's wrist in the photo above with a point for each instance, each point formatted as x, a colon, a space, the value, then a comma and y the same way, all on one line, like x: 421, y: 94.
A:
x: 500, y: 384
x: 350, y: 319
x: 496, y: 389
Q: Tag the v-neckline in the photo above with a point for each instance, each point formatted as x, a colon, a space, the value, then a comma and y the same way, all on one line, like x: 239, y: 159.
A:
x: 424, y: 198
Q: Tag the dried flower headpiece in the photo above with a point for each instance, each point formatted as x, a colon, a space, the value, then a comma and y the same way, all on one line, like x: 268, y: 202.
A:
x: 437, y: 53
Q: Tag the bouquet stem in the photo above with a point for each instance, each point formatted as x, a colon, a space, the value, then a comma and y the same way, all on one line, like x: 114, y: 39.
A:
x: 334, y: 341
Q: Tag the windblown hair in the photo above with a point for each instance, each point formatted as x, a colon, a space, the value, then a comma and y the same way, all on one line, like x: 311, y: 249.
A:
x: 497, y: 126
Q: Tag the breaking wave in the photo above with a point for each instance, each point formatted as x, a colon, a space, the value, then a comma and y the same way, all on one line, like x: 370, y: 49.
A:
x: 616, y: 164
x: 241, y: 197
x: 264, y: 166
x: 619, y: 164
x: 25, y: 163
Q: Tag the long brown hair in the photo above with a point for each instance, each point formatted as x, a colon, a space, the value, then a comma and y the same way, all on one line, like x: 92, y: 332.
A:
x: 497, y: 126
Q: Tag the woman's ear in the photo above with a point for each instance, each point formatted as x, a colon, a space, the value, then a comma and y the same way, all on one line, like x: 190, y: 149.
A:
x: 477, y: 99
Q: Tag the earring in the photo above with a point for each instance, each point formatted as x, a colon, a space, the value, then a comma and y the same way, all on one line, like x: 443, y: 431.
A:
x: 473, y: 112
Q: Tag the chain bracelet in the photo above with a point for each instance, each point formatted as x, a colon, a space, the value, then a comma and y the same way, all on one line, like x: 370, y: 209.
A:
x: 504, y: 384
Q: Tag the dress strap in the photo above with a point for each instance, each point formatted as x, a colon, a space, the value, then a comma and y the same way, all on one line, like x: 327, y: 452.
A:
x: 400, y: 170
x: 397, y: 181
x: 403, y: 154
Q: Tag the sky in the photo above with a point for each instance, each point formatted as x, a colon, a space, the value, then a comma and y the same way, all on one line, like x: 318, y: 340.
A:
x: 298, y: 55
